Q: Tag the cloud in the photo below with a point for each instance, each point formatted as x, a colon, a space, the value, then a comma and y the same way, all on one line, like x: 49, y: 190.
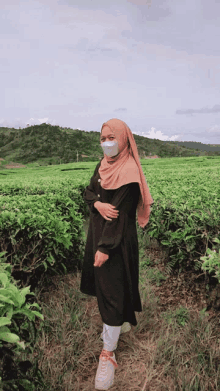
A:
x: 214, y: 129
x: 160, y: 8
x: 140, y: 2
x: 204, y: 110
x: 18, y: 122
x: 158, y: 135
x: 121, y: 109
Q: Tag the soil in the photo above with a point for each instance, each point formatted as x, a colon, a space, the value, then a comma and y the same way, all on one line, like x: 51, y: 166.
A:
x: 186, y: 289
x: 11, y: 165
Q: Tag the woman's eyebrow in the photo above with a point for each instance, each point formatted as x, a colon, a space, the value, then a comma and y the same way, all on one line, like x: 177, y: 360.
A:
x: 108, y: 135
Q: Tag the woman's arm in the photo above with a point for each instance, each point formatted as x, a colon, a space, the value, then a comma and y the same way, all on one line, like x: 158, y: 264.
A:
x: 89, y: 193
x: 114, y: 230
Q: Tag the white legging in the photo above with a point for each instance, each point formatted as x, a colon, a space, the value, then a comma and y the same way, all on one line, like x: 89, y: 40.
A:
x: 110, y: 337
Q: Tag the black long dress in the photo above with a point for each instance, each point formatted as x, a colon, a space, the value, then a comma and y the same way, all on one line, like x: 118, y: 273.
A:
x: 115, y: 283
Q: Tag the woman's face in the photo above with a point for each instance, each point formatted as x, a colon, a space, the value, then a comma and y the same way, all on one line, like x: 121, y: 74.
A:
x: 107, y: 135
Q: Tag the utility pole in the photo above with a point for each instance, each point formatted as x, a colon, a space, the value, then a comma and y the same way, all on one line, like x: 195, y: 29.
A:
x: 77, y: 156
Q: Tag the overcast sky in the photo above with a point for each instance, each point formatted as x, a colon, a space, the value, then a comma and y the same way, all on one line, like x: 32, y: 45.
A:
x: 155, y: 64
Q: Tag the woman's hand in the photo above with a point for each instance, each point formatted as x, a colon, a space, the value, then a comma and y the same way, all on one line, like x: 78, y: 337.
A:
x: 100, y: 258
x: 107, y: 211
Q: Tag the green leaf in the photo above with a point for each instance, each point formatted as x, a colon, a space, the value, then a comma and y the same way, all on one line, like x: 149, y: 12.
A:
x: 4, y: 320
x: 38, y: 314
x: 26, y: 312
x: 4, y: 279
x: 9, y: 337
x: 6, y: 299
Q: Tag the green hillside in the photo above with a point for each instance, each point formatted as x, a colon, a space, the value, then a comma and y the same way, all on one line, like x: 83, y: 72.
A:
x: 47, y: 144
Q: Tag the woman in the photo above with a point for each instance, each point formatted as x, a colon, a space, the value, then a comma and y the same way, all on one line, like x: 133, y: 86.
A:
x: 117, y: 189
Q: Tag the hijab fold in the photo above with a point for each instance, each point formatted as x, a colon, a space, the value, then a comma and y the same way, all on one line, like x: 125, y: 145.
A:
x: 125, y: 168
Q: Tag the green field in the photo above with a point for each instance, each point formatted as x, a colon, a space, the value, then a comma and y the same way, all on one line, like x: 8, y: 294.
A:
x: 43, y: 227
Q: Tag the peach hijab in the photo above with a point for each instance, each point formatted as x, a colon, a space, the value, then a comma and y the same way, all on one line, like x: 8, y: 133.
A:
x: 125, y: 168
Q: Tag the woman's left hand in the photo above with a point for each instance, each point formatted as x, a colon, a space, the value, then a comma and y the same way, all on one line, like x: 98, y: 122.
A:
x: 100, y: 258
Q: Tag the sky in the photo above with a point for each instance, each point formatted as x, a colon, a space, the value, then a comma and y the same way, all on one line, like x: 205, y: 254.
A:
x: 155, y: 64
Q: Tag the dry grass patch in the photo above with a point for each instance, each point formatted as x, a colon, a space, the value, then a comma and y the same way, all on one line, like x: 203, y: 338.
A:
x: 160, y: 353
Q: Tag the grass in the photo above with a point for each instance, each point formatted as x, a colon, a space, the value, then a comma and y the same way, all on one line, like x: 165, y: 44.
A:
x: 174, y: 347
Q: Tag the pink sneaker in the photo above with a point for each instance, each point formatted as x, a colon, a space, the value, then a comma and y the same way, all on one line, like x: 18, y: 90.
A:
x: 106, y: 371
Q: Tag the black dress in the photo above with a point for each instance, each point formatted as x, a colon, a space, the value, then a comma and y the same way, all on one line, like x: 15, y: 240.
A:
x: 115, y: 283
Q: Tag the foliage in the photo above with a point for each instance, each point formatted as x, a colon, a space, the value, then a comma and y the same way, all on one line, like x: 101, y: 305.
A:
x: 41, y: 228
x: 52, y: 144
x: 17, y: 333
x: 212, y: 261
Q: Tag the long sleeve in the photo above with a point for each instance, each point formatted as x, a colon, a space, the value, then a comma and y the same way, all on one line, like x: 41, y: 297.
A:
x: 125, y: 201
x: 89, y: 193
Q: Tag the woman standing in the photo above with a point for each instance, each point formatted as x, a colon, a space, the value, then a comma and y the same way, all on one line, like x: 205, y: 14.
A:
x: 111, y: 263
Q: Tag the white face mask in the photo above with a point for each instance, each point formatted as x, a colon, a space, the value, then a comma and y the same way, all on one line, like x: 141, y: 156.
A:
x: 110, y: 148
